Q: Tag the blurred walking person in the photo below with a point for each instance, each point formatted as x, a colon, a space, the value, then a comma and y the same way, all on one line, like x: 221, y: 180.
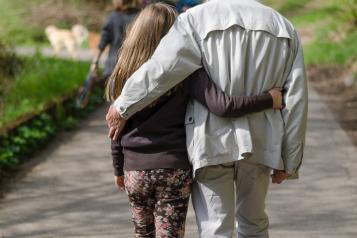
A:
x: 112, y: 35
x: 113, y: 32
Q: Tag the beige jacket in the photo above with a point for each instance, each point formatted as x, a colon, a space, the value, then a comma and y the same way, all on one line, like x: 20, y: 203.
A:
x: 248, y: 48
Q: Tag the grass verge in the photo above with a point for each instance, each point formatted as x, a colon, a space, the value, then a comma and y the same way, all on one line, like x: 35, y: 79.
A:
x: 333, y: 39
x: 17, y: 145
x: 23, y: 22
x: 43, y: 80
x: 286, y: 7
x: 13, y: 27
x: 327, y: 52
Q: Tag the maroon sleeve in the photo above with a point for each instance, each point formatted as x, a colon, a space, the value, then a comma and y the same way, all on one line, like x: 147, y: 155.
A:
x: 203, y: 89
x: 118, y: 157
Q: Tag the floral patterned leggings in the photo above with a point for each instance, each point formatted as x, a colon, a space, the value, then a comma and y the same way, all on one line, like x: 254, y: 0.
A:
x: 159, y: 200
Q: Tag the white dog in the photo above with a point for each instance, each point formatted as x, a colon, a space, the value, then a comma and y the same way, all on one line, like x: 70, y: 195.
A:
x: 69, y: 39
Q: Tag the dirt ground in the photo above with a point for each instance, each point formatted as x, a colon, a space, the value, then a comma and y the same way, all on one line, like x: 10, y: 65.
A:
x: 328, y: 81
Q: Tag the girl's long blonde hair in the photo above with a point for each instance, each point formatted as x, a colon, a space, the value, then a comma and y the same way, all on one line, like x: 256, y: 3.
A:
x: 142, y: 38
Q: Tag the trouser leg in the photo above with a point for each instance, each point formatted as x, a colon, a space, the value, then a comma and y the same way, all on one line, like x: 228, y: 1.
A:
x: 252, y: 182
x: 213, y: 200
x: 142, y: 202
x: 172, y: 197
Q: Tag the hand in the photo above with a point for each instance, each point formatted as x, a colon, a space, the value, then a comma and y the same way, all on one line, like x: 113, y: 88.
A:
x: 115, y: 123
x: 279, y: 176
x: 277, y: 96
x: 119, y: 182
x: 94, y: 69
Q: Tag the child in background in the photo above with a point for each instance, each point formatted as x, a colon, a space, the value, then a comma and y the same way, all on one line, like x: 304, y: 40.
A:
x: 151, y: 151
x: 112, y: 35
x: 113, y: 32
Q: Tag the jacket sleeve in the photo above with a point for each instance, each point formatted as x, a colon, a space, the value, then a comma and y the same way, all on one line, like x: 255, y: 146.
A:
x: 295, y: 113
x: 107, y: 33
x: 176, y: 57
x: 118, y: 155
x: 203, y: 89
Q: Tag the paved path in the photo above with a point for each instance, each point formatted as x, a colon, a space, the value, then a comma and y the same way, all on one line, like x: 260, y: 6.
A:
x: 71, y: 193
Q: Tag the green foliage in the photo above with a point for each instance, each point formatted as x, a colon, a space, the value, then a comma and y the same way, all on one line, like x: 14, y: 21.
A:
x: 334, y: 43
x: 312, y: 16
x: 292, y: 5
x: 22, y: 22
x: 13, y: 25
x: 26, y: 139
x: 16, y: 146
x: 286, y: 7
x: 42, y: 81
x: 348, y: 12
x: 327, y: 52
x: 10, y: 64
x: 331, y: 25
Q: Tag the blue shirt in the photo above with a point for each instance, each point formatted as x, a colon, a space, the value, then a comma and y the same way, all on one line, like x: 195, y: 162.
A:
x: 189, y: 3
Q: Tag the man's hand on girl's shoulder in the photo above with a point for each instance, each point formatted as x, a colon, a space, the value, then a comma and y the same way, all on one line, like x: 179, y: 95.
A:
x: 115, y: 123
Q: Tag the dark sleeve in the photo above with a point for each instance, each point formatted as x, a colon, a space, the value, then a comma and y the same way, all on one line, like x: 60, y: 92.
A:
x: 107, y: 33
x: 203, y: 89
x: 118, y: 157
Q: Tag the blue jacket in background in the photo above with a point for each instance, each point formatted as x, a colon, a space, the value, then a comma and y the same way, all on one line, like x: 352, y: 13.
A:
x: 112, y: 34
x: 190, y: 3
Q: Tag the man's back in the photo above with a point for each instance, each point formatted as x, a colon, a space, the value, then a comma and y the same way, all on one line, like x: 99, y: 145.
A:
x: 250, y: 43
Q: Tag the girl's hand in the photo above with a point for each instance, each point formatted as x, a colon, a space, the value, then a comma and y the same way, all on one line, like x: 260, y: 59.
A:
x: 277, y: 98
x: 119, y: 182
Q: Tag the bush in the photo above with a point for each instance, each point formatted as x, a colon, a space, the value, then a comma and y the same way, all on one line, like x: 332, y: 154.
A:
x: 20, y: 143
x: 348, y: 12
x: 10, y: 64
x: 28, y: 138
x: 65, y: 14
x: 326, y: 52
x: 23, y: 22
x: 286, y: 7
x: 42, y: 81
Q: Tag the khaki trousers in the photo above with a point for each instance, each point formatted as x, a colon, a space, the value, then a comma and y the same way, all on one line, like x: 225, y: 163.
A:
x: 228, y: 193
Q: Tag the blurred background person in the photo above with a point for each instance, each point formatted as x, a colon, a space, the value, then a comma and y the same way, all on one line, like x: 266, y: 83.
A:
x: 113, y: 33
